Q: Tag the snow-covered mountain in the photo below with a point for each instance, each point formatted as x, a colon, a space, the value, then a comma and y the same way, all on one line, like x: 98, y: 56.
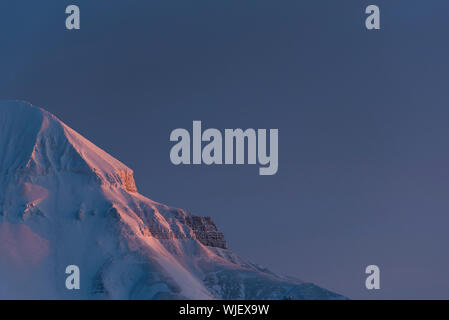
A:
x: 64, y: 201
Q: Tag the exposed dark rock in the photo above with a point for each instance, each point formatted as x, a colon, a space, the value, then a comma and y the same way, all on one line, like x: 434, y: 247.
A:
x: 206, y: 231
x: 203, y: 229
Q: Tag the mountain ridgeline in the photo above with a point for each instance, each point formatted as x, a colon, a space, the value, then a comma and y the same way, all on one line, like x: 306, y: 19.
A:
x: 64, y: 201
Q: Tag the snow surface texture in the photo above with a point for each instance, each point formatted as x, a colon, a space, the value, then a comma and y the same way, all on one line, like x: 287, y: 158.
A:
x: 64, y: 201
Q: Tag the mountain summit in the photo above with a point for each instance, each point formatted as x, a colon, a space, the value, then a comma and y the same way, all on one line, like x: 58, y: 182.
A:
x: 64, y: 201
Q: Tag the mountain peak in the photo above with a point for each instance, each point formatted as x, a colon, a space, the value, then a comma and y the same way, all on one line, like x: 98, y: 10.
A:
x: 43, y: 145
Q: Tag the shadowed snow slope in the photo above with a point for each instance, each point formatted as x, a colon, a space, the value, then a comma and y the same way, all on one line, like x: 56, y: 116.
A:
x: 64, y: 201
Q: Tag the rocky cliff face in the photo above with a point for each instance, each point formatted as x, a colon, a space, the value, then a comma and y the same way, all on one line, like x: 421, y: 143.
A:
x: 206, y: 231
x: 127, y: 179
x: 188, y: 226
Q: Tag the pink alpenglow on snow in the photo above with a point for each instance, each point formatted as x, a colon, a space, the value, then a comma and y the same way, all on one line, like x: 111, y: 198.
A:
x: 64, y: 201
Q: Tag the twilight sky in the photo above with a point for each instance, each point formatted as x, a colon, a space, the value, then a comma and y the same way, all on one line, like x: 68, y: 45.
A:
x: 362, y: 116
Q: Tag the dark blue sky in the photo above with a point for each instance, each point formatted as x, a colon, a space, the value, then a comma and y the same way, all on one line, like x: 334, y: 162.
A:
x: 362, y: 116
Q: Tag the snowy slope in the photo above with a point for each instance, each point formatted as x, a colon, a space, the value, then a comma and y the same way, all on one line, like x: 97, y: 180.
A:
x: 65, y: 201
